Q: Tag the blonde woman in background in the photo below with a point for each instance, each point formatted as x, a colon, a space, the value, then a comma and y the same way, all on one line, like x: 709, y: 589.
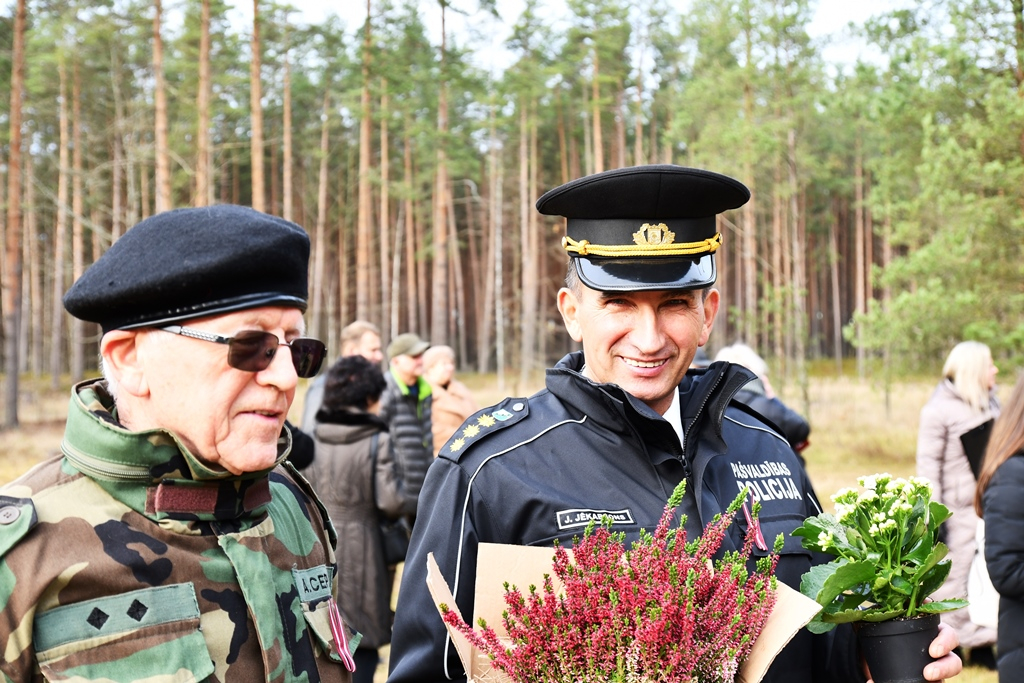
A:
x: 963, y: 400
x: 453, y: 401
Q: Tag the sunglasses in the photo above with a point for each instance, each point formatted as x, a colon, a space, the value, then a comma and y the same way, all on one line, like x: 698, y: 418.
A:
x: 253, y: 351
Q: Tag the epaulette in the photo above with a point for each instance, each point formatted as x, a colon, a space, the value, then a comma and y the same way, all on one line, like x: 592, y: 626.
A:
x: 17, y: 517
x: 483, y: 423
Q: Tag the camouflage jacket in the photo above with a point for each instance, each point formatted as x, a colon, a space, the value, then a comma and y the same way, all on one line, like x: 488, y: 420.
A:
x: 127, y: 559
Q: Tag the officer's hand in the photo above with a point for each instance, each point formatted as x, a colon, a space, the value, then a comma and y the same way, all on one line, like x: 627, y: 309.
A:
x: 947, y: 664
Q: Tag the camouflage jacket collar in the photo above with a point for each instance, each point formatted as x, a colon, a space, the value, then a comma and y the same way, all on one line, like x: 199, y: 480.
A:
x: 152, y: 471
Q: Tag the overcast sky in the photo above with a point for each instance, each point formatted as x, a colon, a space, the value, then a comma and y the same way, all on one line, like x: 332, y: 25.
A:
x: 830, y: 19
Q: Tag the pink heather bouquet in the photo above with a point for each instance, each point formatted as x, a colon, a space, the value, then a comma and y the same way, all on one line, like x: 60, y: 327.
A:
x: 662, y: 610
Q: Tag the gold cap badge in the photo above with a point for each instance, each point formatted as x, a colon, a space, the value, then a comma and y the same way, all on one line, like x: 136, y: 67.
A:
x: 653, y: 235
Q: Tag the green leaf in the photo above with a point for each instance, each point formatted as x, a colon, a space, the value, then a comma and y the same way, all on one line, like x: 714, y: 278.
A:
x: 937, y: 606
x: 844, y: 578
x: 939, y: 513
x: 816, y: 625
x: 933, y: 580
x: 882, y: 616
x: 901, y: 585
x: 814, y: 579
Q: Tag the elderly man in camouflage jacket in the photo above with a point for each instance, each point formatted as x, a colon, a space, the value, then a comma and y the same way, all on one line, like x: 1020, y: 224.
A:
x: 170, y: 541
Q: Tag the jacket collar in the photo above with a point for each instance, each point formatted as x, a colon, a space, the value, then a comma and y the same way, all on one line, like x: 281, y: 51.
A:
x: 152, y: 471
x: 704, y: 396
x: 423, y: 388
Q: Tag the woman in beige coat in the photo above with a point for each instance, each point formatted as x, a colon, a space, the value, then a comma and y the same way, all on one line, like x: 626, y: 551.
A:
x: 963, y: 400
x: 356, y: 495
x: 452, y: 400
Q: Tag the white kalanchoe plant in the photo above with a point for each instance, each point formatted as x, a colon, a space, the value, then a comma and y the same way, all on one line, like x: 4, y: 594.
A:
x: 888, y: 555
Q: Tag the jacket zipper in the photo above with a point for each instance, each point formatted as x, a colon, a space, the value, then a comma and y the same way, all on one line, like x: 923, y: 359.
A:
x: 707, y: 397
x: 102, y: 469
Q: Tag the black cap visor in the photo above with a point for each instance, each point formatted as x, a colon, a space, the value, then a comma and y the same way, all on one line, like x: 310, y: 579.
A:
x: 646, y: 273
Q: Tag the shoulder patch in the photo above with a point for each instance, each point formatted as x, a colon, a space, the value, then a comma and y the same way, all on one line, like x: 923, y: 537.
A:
x: 484, y: 422
x: 17, y: 518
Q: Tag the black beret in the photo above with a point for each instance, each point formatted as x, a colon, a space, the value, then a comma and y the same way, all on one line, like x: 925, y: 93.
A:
x: 194, y: 262
x: 644, y: 227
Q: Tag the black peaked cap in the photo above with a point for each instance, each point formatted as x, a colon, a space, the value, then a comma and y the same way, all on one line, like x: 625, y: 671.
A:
x: 644, y: 227
x: 193, y: 262
x: 651, y: 192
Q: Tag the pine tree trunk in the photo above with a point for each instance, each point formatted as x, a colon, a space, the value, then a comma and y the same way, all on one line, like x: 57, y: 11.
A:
x: 60, y: 236
x: 777, y: 277
x: 12, y: 259
x: 799, y: 256
x: 837, y: 309
x: 498, y: 292
x: 527, y: 245
x: 486, y: 306
x: 363, y: 239
x: 620, y: 128
x: 595, y: 102
x: 256, y: 113
x: 288, y: 212
x: 410, y: 236
x: 439, y: 284
x: 77, y: 229
x: 860, y: 250
x: 320, y: 248
x: 163, y: 160
x: 385, y: 218
x: 35, y: 267
x: 203, y: 194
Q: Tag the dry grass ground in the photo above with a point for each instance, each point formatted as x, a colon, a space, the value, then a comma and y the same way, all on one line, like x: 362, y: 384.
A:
x: 855, y: 431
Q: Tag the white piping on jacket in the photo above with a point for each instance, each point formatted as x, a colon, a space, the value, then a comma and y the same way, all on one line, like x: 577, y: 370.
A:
x: 465, y: 508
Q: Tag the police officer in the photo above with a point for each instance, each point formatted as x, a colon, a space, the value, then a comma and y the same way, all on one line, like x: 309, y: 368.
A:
x: 170, y: 540
x: 620, y: 424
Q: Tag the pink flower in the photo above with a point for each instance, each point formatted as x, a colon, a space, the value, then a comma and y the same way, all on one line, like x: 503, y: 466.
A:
x: 662, y: 610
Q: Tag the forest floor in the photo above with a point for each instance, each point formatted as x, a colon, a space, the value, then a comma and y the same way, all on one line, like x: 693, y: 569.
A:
x: 855, y: 430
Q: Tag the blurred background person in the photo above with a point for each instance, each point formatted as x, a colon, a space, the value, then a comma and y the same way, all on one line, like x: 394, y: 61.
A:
x: 354, y: 475
x: 1001, y: 504
x: 759, y: 395
x: 963, y: 400
x: 358, y: 338
x: 406, y: 406
x: 452, y: 400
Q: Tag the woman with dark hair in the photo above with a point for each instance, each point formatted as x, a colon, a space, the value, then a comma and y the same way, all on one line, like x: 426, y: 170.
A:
x: 1001, y: 505
x: 356, y: 494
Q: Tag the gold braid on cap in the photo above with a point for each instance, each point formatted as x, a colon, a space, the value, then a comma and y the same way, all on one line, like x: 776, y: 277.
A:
x: 645, y: 246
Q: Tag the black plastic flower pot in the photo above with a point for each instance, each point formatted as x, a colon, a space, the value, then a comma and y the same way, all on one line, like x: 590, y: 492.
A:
x: 896, y: 651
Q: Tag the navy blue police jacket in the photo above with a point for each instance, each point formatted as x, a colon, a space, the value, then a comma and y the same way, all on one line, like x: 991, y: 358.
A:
x: 532, y: 470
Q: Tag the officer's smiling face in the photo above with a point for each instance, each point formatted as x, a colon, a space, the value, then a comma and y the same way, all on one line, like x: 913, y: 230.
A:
x: 227, y: 417
x: 642, y: 341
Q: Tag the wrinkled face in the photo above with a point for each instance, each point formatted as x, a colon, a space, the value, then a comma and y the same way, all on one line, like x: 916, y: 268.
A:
x: 225, y: 417
x: 369, y: 348
x: 642, y: 341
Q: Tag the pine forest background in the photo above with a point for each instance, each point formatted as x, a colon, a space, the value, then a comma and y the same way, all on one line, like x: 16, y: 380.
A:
x: 886, y: 222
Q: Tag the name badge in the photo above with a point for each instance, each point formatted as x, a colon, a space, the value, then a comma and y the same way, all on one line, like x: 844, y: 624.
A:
x: 313, y: 583
x: 569, y: 519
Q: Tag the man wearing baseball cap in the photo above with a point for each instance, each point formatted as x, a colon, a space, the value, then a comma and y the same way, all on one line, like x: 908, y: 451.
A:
x: 406, y: 407
x: 169, y: 540
x: 621, y: 423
